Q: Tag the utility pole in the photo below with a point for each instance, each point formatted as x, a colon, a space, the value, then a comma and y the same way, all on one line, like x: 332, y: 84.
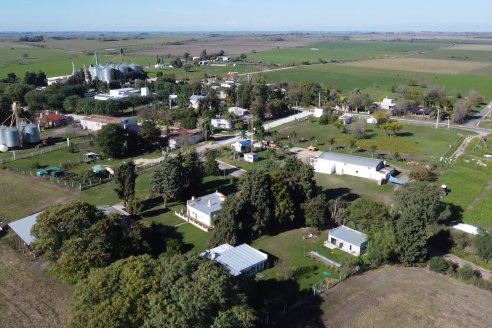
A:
x: 437, y: 118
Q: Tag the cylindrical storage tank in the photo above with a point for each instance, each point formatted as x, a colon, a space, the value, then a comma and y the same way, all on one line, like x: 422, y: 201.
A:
x: 136, y: 67
x: 31, y: 134
x: 12, y: 138
x: 22, y: 133
x: 124, y: 68
x: 2, y: 135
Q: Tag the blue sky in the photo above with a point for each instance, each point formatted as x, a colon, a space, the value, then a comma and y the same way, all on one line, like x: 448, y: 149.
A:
x: 245, y: 15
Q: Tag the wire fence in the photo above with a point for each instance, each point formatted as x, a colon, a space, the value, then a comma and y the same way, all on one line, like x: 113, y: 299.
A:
x: 41, y: 151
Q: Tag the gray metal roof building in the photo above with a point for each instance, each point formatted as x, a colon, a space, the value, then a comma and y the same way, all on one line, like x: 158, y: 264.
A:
x: 351, y: 159
x: 208, y: 203
x: 238, y: 260
x: 23, y: 228
x: 349, y: 235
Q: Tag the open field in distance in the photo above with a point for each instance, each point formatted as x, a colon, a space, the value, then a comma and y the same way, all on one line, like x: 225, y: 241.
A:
x: 421, y: 65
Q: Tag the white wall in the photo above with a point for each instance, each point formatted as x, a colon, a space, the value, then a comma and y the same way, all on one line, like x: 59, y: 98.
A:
x: 201, y: 217
x: 330, y: 167
x: 345, y: 246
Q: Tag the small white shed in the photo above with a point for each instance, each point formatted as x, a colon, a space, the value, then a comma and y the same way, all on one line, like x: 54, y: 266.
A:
x: 251, y: 157
x: 348, y: 240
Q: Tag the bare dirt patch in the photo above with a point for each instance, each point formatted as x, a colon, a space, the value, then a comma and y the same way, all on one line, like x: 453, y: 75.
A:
x: 420, y: 65
x: 233, y: 44
x: 479, y: 47
x: 29, y: 297
x: 397, y: 297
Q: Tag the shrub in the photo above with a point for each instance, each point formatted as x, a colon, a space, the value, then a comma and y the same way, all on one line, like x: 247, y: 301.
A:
x: 135, y: 206
x: 438, y: 264
x: 466, y: 273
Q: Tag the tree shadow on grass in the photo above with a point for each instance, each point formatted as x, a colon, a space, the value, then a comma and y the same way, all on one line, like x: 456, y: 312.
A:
x: 345, y: 193
x: 404, y: 134
x: 225, y: 186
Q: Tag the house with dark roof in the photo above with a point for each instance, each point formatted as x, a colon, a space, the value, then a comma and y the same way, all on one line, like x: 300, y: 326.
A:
x: 358, y: 166
x: 348, y: 240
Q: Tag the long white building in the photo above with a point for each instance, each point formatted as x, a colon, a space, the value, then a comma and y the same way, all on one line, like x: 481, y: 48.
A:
x: 362, y: 167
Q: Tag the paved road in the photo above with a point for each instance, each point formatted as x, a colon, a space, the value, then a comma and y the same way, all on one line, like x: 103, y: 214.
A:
x: 475, y: 121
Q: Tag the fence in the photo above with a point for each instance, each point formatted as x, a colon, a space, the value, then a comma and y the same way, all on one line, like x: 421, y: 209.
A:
x: 41, y: 151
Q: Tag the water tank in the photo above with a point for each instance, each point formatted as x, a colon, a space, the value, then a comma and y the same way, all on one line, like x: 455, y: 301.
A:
x: 12, y: 138
x: 2, y: 135
x: 31, y: 134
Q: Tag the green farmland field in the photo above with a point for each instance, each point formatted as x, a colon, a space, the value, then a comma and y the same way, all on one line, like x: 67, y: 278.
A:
x: 340, y: 51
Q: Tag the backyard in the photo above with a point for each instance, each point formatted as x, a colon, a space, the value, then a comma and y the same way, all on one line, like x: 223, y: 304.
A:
x: 292, y: 247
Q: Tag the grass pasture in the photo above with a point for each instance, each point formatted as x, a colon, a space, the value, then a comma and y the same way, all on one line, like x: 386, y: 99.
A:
x: 396, y: 297
x: 23, y: 195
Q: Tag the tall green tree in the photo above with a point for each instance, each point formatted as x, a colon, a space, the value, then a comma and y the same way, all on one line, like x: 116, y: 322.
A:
x: 419, y: 199
x: 117, y: 295
x: 284, y: 207
x: 150, y: 134
x: 193, y: 173
x: 166, y: 180
x: 316, y: 212
x: 211, y: 165
x: 366, y: 215
x: 383, y: 245
x: 255, y: 187
x: 125, y: 178
x: 111, y: 140
x: 234, y: 223
x: 412, y: 238
x: 60, y: 223
x: 104, y: 242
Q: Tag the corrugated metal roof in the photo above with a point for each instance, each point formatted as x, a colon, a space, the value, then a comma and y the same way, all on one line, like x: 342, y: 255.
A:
x: 348, y: 235
x: 240, y: 258
x: 23, y: 228
x: 350, y: 159
x: 202, y: 203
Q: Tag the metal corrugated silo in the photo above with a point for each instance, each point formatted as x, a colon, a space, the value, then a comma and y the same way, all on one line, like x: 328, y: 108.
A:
x: 31, y: 134
x: 2, y: 135
x: 12, y: 139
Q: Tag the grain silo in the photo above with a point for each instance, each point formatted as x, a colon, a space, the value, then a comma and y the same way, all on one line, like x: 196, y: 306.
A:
x: 12, y: 139
x: 2, y: 135
x: 30, y: 134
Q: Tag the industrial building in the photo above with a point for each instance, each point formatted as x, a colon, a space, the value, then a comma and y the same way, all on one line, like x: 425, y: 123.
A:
x: 239, y: 260
x: 363, y: 167
x: 96, y: 122
x: 117, y: 94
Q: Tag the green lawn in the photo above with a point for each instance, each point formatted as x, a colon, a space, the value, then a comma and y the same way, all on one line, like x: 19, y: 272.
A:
x: 471, y: 186
x: 421, y: 143
x: 292, y: 247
